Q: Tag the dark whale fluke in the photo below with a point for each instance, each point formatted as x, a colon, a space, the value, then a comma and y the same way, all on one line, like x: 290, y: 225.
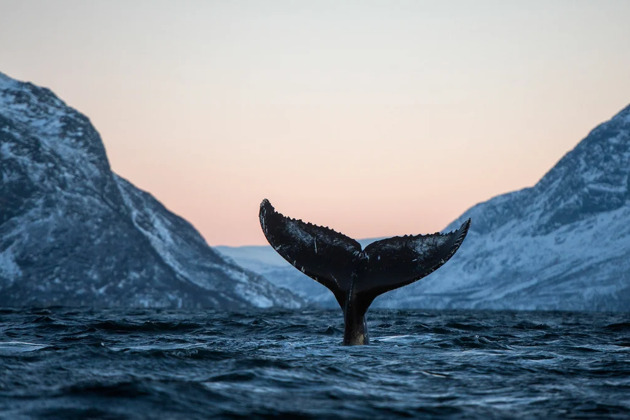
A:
x: 356, y: 276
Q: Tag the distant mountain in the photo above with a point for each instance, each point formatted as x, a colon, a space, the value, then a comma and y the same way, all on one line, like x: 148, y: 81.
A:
x: 266, y: 261
x: 73, y: 233
x: 563, y: 244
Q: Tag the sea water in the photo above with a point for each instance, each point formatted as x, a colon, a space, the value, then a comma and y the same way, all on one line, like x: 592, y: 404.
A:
x: 183, y: 364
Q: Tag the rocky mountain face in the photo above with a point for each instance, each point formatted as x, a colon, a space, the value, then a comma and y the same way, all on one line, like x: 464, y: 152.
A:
x: 563, y: 244
x: 73, y: 233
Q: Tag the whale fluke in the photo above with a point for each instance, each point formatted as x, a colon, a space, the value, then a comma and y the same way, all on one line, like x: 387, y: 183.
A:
x: 356, y: 276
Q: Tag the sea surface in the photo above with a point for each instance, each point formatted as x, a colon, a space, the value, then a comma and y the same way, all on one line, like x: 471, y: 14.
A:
x: 68, y: 363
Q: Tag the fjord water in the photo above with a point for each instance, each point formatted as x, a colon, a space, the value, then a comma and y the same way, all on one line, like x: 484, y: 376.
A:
x: 68, y: 363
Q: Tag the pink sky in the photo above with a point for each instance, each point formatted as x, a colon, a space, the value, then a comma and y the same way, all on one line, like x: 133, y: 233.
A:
x: 374, y: 118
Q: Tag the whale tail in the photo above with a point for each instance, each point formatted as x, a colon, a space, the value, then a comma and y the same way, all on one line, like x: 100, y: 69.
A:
x: 356, y: 276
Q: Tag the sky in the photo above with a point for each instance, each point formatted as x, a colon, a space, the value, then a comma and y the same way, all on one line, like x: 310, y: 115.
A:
x: 376, y: 118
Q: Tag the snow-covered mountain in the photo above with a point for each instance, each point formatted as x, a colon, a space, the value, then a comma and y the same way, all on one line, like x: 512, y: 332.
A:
x: 563, y: 244
x: 74, y: 233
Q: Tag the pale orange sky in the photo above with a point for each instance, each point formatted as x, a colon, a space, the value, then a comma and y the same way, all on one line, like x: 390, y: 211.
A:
x: 375, y: 118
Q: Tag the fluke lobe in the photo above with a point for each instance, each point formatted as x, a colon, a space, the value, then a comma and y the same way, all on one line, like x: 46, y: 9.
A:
x: 356, y: 276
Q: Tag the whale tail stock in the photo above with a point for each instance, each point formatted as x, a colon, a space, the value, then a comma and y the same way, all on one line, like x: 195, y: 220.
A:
x: 356, y: 276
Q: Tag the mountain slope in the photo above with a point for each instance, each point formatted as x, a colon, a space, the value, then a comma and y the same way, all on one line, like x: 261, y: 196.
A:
x: 561, y: 244
x: 74, y: 233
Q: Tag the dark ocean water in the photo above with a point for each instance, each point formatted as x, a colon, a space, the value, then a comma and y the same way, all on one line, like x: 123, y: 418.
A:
x: 61, y: 363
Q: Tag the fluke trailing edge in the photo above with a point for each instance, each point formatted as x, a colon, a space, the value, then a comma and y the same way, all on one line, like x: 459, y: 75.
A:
x: 356, y: 276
